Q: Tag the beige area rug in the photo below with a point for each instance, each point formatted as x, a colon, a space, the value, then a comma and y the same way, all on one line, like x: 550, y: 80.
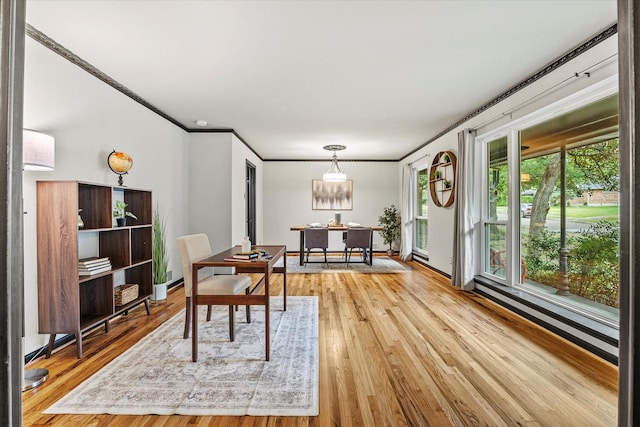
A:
x: 381, y: 265
x: 157, y: 376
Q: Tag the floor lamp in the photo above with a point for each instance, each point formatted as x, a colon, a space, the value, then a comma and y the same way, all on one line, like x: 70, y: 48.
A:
x: 38, y: 154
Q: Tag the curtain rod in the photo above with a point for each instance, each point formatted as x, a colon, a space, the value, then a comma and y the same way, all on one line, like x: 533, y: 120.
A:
x: 586, y: 72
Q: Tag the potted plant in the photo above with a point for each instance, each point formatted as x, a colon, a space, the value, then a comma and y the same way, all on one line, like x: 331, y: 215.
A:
x: 447, y: 184
x: 159, y: 257
x: 390, y: 222
x: 121, y: 215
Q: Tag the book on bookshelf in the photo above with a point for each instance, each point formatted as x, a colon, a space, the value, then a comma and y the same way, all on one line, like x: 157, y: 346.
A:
x: 94, y: 267
x: 91, y: 272
x: 86, y: 262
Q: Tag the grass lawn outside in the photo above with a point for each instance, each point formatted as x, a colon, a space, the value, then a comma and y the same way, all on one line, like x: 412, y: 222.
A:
x: 586, y: 214
x: 590, y: 214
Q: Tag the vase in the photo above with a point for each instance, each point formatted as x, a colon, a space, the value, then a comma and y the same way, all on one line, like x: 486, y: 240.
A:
x: 159, y: 292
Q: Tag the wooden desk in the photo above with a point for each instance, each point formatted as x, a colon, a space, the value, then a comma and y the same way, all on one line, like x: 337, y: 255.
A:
x: 266, y: 267
x: 342, y: 228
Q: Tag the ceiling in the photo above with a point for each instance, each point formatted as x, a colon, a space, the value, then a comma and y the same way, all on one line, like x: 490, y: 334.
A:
x: 289, y: 77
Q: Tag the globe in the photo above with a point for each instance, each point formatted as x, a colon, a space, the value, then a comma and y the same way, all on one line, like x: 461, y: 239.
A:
x: 120, y: 162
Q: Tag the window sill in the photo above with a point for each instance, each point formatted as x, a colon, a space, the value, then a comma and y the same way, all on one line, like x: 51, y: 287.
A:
x: 591, y: 335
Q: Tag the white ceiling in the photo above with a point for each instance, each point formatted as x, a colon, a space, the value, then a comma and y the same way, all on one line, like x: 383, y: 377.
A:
x: 289, y: 77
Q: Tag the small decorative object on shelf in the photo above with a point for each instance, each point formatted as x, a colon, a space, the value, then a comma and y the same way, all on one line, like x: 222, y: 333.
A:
x: 125, y: 293
x: 80, y: 221
x: 442, y: 179
x: 120, y: 163
x: 121, y: 215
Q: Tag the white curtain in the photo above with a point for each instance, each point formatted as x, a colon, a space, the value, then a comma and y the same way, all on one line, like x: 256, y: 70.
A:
x: 406, y: 213
x: 463, y: 228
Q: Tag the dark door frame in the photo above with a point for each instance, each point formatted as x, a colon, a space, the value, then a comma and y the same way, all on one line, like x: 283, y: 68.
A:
x: 250, y: 196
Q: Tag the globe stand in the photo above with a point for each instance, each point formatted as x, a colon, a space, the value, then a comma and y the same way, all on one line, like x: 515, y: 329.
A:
x: 119, y: 163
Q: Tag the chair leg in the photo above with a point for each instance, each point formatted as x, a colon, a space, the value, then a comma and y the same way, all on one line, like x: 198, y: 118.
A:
x: 208, y: 313
x: 232, y: 327
x: 187, y: 320
x: 248, y: 307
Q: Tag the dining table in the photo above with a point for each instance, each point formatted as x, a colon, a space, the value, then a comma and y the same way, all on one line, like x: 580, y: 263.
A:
x: 341, y: 228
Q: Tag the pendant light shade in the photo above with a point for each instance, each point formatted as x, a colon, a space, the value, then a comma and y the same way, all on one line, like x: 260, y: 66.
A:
x: 334, y: 174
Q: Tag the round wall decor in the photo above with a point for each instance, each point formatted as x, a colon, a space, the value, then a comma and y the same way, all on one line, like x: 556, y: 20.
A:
x: 442, y: 179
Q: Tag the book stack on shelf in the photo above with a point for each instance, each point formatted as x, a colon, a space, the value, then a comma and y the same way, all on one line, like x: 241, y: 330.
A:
x: 93, y: 265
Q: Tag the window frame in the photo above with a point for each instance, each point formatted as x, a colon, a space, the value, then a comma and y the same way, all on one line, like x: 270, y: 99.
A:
x: 416, y: 167
x: 511, y: 130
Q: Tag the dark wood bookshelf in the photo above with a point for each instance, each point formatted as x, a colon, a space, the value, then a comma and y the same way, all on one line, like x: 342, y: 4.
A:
x: 67, y: 302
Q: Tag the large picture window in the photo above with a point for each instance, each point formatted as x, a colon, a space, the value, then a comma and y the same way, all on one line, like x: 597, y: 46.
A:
x: 563, y: 242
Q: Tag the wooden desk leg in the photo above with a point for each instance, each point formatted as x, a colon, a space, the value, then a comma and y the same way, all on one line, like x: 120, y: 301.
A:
x: 301, y: 248
x: 194, y: 315
x: 266, y: 314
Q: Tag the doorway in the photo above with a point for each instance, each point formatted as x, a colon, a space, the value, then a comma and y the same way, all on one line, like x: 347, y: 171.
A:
x: 250, y: 195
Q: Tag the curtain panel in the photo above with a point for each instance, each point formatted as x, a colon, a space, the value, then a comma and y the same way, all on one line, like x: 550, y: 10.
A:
x: 463, y: 261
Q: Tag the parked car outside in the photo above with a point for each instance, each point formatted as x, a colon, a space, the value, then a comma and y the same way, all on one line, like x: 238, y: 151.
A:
x: 525, y: 209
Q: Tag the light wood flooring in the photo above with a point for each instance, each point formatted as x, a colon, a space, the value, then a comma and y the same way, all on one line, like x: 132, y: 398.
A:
x: 395, y: 350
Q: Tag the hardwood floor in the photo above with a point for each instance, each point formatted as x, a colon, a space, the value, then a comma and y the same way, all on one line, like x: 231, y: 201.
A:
x: 395, y: 350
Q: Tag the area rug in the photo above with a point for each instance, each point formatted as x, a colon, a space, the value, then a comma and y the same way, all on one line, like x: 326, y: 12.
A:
x: 157, y: 376
x: 380, y: 265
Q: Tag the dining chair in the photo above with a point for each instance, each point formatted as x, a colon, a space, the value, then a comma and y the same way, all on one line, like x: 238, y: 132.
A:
x: 316, y: 238
x: 358, y: 238
x: 195, y: 247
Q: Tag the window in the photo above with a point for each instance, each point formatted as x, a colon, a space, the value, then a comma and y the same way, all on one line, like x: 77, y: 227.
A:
x: 422, y: 210
x: 561, y: 171
x: 497, y: 196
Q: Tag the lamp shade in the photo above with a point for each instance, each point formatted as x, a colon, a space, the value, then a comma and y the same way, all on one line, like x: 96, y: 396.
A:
x: 38, y: 151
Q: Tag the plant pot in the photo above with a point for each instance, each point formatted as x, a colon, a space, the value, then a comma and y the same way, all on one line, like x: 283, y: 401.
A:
x: 122, y: 222
x: 390, y: 252
x: 159, y: 292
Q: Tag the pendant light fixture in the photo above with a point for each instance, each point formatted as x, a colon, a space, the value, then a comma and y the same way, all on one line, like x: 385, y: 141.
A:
x: 334, y: 174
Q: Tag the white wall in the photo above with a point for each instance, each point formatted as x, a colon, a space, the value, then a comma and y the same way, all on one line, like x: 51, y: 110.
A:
x: 210, y: 187
x: 217, y: 163
x: 89, y: 119
x: 287, y: 198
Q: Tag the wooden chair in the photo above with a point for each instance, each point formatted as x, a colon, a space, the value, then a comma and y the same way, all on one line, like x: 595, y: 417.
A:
x: 358, y: 238
x: 316, y: 238
x: 195, y: 247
